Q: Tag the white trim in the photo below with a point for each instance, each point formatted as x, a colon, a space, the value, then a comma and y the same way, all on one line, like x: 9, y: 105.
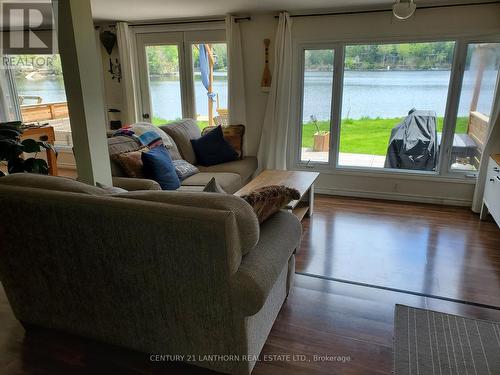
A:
x: 384, y: 174
x: 179, y: 27
x: 392, y: 196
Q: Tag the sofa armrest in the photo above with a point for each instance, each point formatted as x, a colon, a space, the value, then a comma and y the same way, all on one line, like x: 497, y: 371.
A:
x: 132, y: 184
x: 280, y: 235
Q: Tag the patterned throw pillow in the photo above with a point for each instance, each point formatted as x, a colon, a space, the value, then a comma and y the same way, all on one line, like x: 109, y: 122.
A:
x: 184, y: 169
x: 131, y: 162
x: 268, y: 200
x: 213, y: 187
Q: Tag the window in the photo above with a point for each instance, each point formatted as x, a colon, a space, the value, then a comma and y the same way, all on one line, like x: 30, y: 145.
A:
x: 388, y: 106
x: 41, y: 95
x: 382, y: 84
x: 164, y: 82
x: 316, y: 105
x: 476, y: 101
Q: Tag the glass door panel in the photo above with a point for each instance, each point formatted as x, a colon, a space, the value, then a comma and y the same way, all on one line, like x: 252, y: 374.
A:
x: 476, y: 101
x: 316, y: 105
x: 210, y: 83
x: 164, y: 83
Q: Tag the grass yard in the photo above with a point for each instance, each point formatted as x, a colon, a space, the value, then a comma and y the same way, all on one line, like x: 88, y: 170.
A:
x: 366, y: 135
x: 363, y: 136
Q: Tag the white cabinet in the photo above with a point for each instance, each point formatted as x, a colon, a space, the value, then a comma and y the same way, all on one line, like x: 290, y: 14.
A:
x: 491, y: 199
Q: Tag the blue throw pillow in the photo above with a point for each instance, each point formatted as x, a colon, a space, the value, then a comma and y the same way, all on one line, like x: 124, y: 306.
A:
x: 213, y: 149
x: 158, y: 166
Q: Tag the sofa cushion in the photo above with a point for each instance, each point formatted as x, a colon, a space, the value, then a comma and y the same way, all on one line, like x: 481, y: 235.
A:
x: 50, y: 183
x: 212, y: 148
x: 182, y: 132
x: 259, y: 270
x: 230, y: 182
x: 111, y: 189
x: 245, y: 167
x: 246, y: 221
x: 158, y: 166
x: 132, y: 184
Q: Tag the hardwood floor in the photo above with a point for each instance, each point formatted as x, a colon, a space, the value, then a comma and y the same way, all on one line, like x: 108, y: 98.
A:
x: 320, y: 318
x: 350, y: 327
x: 435, y: 250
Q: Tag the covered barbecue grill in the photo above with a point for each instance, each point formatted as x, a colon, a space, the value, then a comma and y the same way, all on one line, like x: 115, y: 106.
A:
x: 413, y: 142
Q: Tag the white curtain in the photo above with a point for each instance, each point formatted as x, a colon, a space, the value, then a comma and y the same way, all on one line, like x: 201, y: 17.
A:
x: 9, y: 101
x: 492, y: 146
x: 236, y: 78
x: 126, y: 49
x: 274, y: 136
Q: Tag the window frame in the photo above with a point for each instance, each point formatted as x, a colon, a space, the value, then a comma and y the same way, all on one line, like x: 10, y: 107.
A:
x: 443, y: 170
x: 184, y: 36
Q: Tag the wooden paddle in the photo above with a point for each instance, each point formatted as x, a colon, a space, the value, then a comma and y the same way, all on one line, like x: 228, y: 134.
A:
x: 266, y: 76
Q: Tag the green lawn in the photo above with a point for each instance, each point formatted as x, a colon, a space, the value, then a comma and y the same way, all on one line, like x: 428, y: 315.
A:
x: 366, y: 135
x: 363, y: 136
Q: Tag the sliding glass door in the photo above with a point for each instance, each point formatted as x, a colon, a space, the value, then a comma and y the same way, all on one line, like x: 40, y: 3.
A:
x: 176, y: 83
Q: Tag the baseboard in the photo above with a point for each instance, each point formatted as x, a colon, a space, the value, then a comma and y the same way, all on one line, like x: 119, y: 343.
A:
x: 394, y: 196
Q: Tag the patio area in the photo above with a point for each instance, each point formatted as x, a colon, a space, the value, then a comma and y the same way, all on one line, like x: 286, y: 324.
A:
x: 345, y: 159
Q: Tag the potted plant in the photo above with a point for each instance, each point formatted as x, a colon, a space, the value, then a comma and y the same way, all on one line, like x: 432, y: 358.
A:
x: 321, y: 137
x: 12, y: 149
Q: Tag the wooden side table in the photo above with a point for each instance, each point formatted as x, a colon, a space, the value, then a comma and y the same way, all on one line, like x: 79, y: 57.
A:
x: 45, y: 134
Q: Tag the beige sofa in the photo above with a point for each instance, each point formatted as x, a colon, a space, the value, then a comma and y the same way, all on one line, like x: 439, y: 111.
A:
x: 230, y: 176
x: 180, y: 273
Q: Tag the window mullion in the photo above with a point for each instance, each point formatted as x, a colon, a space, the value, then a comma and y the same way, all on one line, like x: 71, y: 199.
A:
x: 336, y: 108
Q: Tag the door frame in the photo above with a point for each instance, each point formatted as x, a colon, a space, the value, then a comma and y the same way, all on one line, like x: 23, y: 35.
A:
x: 184, y: 36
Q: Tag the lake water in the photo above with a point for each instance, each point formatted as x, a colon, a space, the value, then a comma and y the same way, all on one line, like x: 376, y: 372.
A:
x: 373, y: 94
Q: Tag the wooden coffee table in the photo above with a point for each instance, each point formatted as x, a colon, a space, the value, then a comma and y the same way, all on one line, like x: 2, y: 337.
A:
x: 302, y: 181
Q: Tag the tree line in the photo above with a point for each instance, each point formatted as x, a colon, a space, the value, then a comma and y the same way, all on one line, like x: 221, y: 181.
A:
x: 402, y: 56
x: 164, y: 60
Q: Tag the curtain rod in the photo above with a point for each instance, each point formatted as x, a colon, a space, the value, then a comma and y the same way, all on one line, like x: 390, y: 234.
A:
x: 180, y: 22
x: 388, y: 10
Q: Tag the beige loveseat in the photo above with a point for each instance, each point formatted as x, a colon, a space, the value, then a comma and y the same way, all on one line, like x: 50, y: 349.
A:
x: 231, y: 176
x: 179, y: 273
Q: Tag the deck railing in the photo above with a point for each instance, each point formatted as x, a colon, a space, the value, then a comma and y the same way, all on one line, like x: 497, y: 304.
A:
x: 44, y: 112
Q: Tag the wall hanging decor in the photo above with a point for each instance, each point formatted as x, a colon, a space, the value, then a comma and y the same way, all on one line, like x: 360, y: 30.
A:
x: 108, y: 40
x: 265, y: 83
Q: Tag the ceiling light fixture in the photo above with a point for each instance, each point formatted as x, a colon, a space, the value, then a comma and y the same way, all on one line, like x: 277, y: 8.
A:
x: 403, y: 10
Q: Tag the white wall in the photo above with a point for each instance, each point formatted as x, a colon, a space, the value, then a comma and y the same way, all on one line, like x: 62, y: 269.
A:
x: 112, y: 87
x: 253, y: 34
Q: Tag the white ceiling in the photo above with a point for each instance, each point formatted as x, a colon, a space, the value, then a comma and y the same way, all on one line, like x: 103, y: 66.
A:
x: 148, y: 10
